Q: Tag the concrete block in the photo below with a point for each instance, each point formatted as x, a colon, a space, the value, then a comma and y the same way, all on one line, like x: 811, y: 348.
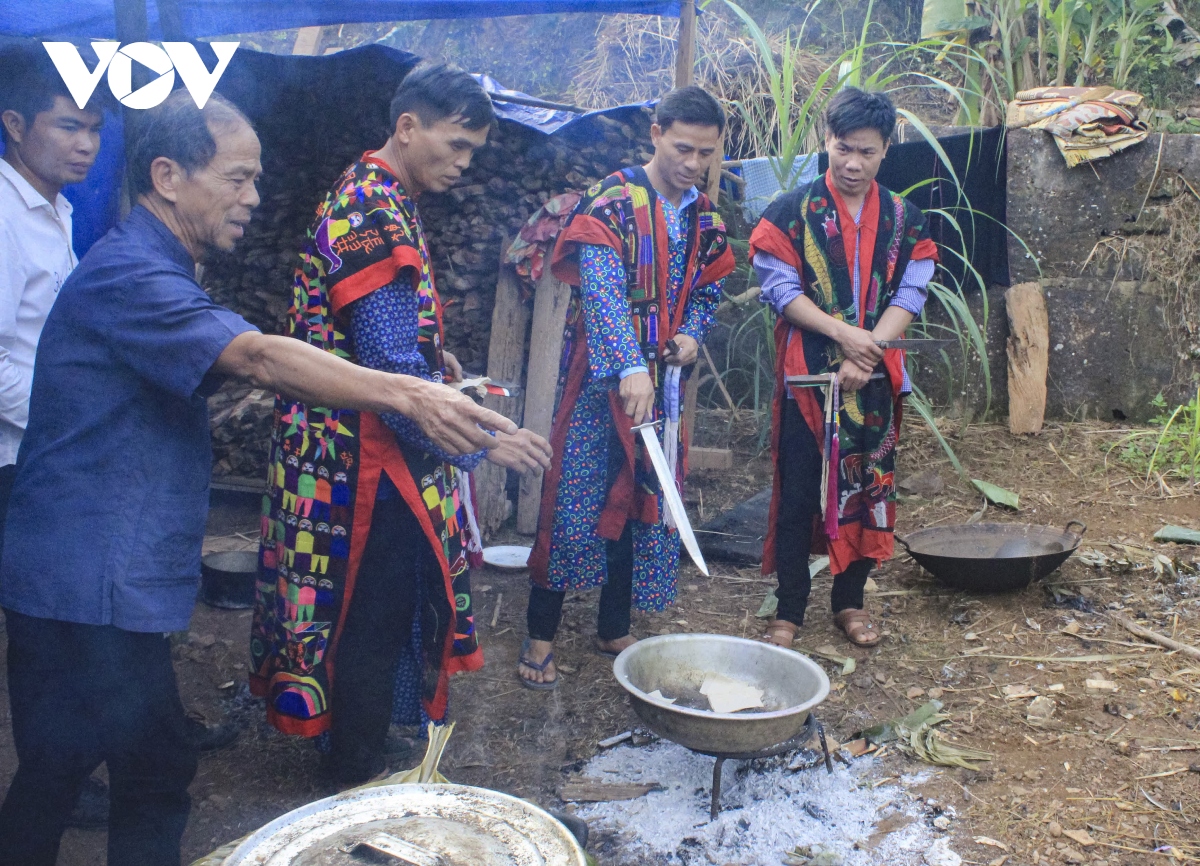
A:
x: 1061, y: 213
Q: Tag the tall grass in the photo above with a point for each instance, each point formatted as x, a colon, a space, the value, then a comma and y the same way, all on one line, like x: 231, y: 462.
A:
x: 1101, y: 41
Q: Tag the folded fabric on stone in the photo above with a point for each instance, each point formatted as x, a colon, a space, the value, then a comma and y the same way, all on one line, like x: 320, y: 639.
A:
x: 1087, y: 123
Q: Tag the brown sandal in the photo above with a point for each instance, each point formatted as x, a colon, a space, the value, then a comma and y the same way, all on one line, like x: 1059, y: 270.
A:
x: 780, y: 632
x: 856, y: 624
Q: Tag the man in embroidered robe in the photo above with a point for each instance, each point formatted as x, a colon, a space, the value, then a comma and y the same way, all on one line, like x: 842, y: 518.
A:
x: 386, y: 549
x: 645, y: 253
x: 844, y: 263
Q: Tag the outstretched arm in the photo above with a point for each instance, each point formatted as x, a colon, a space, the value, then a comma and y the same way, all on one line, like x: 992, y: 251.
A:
x: 305, y: 373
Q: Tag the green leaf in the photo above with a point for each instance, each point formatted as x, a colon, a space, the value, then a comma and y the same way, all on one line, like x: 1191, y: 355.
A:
x: 769, y: 606
x: 1178, y: 534
x: 937, y: 12
x: 996, y: 495
x: 848, y: 664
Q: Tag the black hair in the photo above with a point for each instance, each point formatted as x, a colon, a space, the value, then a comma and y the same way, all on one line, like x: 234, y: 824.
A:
x: 689, y: 104
x: 852, y: 109
x: 178, y: 130
x: 438, y: 91
x: 29, y: 83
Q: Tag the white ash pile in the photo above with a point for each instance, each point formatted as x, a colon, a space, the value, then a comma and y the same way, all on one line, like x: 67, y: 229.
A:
x: 769, y: 814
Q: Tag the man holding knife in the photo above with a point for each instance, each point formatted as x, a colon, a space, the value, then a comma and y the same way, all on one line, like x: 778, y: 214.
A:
x: 845, y: 263
x: 645, y: 253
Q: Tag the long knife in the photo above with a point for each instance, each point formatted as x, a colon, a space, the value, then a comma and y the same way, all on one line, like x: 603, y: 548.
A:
x: 914, y: 345
x: 666, y: 481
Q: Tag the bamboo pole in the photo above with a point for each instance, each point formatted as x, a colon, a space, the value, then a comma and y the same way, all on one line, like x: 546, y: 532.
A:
x: 685, y: 52
x: 1162, y: 640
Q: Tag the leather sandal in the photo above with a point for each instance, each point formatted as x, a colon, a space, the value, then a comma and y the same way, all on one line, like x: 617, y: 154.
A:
x: 857, y: 626
x: 780, y: 632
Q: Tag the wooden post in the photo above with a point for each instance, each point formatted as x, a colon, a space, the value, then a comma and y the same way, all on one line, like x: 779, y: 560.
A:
x: 685, y: 50
x: 1028, y: 357
x: 506, y: 358
x: 307, y: 40
x: 713, y: 188
x: 690, y: 392
x: 541, y: 382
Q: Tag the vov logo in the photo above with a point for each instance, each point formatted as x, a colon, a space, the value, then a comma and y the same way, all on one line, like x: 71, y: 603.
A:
x: 117, y: 60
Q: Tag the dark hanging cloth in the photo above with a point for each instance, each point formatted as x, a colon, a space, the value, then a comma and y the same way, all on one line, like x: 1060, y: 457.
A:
x: 979, y: 161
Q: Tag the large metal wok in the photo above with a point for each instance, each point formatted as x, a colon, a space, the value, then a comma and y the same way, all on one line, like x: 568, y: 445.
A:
x: 992, y: 557
x: 677, y: 665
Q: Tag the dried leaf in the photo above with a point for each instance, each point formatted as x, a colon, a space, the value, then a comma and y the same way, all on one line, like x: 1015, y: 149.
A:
x: 916, y: 692
x: 995, y: 843
x: 1039, y: 710
x: 1080, y: 836
x: 848, y: 664
x: 1016, y: 692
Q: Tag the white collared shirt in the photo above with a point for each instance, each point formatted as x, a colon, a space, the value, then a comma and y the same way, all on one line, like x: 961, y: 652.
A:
x: 36, y: 256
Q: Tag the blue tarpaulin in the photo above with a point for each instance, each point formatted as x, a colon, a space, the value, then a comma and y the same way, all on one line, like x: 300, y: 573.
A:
x: 95, y: 19
x: 266, y: 85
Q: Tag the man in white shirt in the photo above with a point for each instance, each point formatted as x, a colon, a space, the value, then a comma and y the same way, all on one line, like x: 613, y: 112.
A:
x: 49, y: 142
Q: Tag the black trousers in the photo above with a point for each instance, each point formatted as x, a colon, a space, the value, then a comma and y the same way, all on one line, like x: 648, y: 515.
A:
x: 799, y: 506
x: 616, y: 597
x: 8, y: 475
x: 82, y: 695
x: 378, y: 626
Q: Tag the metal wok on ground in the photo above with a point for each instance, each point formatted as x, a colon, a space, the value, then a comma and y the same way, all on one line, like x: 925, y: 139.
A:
x: 992, y: 557
x: 677, y: 665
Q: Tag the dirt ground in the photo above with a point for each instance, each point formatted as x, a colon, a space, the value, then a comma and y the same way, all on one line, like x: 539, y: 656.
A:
x: 1112, y: 761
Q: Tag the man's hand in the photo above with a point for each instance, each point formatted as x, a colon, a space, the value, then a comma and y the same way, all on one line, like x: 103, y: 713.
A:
x: 454, y: 371
x: 637, y: 395
x: 858, y: 345
x: 525, y: 451
x: 688, y: 350
x: 454, y: 421
x: 852, y: 376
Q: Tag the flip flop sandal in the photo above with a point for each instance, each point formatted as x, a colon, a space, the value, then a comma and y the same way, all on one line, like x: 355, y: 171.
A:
x: 780, y: 628
x: 540, y: 667
x: 855, y: 622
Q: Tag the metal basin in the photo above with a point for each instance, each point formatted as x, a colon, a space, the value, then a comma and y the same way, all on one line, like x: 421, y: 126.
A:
x: 440, y: 824
x: 677, y: 664
x: 227, y: 579
x: 992, y: 557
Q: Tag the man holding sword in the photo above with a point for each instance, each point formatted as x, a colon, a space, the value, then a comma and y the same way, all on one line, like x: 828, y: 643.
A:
x: 845, y: 263
x: 645, y: 253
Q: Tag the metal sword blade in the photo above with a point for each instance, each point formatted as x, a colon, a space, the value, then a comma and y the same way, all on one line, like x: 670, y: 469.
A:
x: 914, y: 345
x: 666, y: 480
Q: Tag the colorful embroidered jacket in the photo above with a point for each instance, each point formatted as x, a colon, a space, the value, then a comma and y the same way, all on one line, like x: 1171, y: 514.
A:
x: 325, y: 467
x: 812, y: 230
x: 623, y: 212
